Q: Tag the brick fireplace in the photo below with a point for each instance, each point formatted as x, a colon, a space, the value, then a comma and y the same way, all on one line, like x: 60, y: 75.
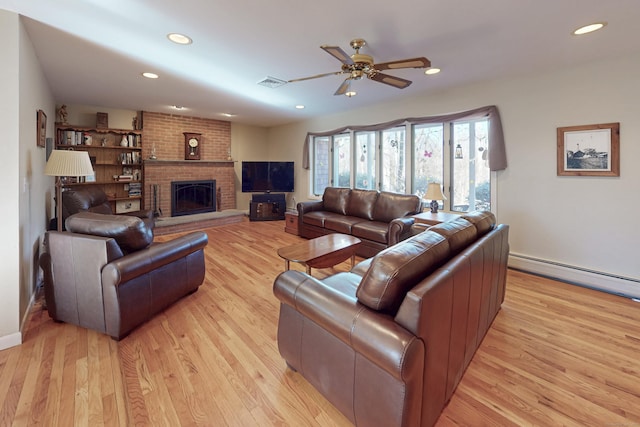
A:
x: 163, y: 172
x: 164, y: 132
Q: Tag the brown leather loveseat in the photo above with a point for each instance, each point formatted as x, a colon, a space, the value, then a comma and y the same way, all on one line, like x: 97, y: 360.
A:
x: 378, y: 219
x: 388, y: 342
x: 106, y: 274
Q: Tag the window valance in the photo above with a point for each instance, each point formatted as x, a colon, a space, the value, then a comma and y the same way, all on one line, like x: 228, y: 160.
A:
x: 497, y: 152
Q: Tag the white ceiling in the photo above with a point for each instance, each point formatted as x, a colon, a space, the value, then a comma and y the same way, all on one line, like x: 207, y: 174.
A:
x: 94, y: 51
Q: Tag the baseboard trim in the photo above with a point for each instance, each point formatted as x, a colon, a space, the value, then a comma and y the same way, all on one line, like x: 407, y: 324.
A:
x: 10, y: 340
x: 623, y: 286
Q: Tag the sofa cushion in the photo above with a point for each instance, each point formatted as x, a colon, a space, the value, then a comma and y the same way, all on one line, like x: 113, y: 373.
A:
x: 335, y: 199
x: 390, y: 206
x: 397, y: 269
x: 318, y: 218
x: 460, y: 233
x: 130, y: 232
x: 372, y: 230
x: 91, y: 199
x: 484, y: 221
x: 361, y: 203
x: 341, y: 223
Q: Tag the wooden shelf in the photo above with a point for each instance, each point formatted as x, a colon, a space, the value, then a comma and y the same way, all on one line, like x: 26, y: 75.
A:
x: 94, y: 146
x: 107, y: 157
x: 97, y: 130
x: 115, y: 199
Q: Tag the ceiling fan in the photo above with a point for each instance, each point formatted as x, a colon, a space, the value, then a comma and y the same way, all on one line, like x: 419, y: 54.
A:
x: 359, y: 65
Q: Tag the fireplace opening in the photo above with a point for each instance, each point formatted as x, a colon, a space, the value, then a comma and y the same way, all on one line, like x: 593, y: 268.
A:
x: 192, y: 197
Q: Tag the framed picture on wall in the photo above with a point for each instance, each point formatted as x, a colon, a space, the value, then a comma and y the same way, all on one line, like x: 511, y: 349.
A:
x: 41, y: 134
x: 589, y: 150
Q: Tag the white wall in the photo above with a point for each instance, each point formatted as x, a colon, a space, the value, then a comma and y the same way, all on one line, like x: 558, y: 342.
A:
x: 35, y: 189
x: 9, y: 173
x: 26, y: 193
x: 583, y: 222
x: 247, y: 143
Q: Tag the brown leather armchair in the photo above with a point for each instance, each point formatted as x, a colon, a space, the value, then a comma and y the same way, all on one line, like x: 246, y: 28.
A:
x: 106, y: 274
x: 94, y: 199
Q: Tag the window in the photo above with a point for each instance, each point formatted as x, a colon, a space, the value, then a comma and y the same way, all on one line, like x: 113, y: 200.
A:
x: 428, y: 156
x: 342, y: 160
x: 470, y: 175
x: 365, y: 160
x: 320, y: 164
x: 392, y: 158
x: 406, y: 155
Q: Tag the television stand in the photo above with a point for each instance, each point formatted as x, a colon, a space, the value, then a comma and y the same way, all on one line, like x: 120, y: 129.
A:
x: 267, y: 207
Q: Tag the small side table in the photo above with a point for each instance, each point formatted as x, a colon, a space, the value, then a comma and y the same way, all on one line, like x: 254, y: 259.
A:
x: 430, y: 218
x: 291, y: 222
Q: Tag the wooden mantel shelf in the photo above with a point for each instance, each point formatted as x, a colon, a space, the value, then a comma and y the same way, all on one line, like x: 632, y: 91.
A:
x: 150, y: 162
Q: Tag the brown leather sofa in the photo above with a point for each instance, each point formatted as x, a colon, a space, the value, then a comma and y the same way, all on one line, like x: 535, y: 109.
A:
x: 94, y: 199
x: 378, y: 219
x: 388, y: 342
x: 106, y: 274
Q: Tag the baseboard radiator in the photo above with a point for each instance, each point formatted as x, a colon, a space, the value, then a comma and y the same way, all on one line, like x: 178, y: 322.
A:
x: 623, y: 286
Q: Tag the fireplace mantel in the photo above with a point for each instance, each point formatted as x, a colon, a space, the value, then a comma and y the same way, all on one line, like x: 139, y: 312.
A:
x: 149, y: 162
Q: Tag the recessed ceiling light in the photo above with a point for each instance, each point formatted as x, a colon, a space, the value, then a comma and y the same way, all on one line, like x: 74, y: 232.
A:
x: 351, y: 93
x: 228, y: 114
x: 179, y: 38
x: 432, y: 70
x: 150, y: 75
x: 177, y: 107
x: 589, y: 28
x: 300, y: 107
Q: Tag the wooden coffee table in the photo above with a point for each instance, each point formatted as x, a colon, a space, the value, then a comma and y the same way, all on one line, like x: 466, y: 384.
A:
x: 321, y: 252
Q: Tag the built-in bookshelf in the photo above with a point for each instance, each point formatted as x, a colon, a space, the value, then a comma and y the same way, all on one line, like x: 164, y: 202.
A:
x: 116, y: 156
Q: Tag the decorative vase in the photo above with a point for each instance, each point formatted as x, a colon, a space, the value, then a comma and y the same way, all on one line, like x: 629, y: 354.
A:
x: 124, y: 142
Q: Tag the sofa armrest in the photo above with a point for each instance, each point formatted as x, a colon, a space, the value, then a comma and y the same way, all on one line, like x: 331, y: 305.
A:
x: 155, y: 256
x: 374, y: 335
x: 400, y: 229
x: 309, y: 206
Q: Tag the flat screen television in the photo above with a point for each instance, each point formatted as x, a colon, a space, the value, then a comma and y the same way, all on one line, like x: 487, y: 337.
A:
x: 267, y: 177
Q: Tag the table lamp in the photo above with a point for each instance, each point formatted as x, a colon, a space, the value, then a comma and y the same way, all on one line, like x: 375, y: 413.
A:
x: 66, y: 163
x: 434, y: 193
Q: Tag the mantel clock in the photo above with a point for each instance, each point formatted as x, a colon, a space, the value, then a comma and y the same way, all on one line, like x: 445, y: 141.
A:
x: 192, y: 145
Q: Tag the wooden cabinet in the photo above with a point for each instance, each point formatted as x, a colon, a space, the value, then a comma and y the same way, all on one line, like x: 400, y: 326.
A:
x: 116, y: 156
x: 291, y: 222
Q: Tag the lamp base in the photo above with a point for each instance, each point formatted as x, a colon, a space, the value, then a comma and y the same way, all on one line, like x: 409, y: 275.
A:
x: 434, y: 206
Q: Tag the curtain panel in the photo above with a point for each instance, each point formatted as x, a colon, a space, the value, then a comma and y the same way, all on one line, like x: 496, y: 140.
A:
x: 497, y: 152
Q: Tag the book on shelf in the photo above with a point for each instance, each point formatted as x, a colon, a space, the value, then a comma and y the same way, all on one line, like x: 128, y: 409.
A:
x: 135, y: 189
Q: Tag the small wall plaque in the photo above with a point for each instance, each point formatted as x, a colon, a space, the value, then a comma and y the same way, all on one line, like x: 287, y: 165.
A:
x: 102, y: 120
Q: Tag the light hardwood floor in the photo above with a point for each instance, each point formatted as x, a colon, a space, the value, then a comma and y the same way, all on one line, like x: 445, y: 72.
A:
x: 556, y: 355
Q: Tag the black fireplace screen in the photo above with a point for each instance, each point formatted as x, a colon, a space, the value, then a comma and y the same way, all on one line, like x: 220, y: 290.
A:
x: 191, y: 197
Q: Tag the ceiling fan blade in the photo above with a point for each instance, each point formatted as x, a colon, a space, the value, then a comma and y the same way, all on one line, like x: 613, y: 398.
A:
x: 316, y: 76
x: 344, y: 87
x: 390, y: 80
x: 338, y: 53
x: 421, y: 62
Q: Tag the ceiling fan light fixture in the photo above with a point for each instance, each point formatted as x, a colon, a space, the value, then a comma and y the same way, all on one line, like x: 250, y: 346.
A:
x: 586, y: 29
x: 350, y: 93
x: 179, y: 38
x: 432, y: 70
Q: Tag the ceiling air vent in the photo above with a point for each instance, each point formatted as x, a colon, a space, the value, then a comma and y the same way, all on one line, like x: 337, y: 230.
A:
x: 272, y: 82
